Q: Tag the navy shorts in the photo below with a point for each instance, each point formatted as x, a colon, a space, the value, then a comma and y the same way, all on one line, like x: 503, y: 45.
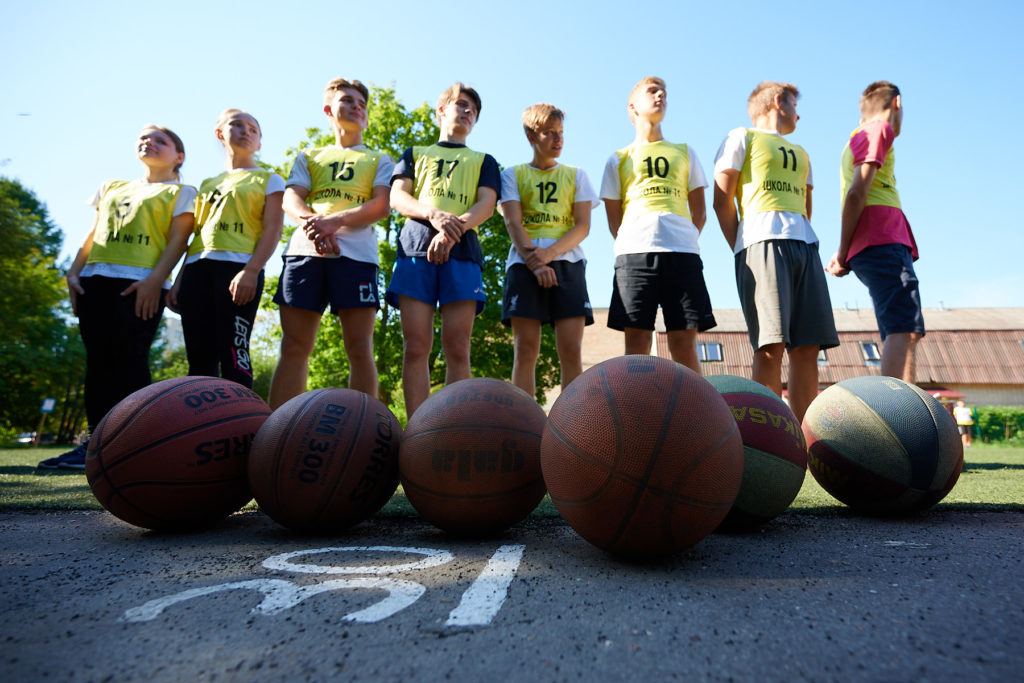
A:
x: 313, y: 282
x: 888, y: 272
x: 525, y: 298
x: 437, y: 284
x: 670, y: 279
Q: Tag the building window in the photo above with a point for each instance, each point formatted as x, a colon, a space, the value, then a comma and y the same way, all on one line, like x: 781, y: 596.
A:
x: 822, y: 358
x: 709, y: 352
x: 872, y: 356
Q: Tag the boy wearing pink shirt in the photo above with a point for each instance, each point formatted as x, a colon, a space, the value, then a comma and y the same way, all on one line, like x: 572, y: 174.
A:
x: 876, y: 241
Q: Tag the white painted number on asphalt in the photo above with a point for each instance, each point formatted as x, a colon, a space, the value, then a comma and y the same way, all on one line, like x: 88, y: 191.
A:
x: 479, y: 605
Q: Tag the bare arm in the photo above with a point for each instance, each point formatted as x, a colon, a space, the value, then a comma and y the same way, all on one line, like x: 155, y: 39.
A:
x: 853, y: 207
x: 403, y: 201
x: 698, y: 209
x: 808, y: 205
x: 243, y: 285
x: 147, y: 290
x: 74, y: 284
x: 512, y: 212
x: 613, y: 209
x: 567, y: 242
x: 724, y: 203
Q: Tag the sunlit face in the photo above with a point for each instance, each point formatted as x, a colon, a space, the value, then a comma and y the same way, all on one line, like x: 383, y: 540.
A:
x: 651, y: 101
x: 787, y: 113
x: 548, y: 139
x: 156, y: 149
x: 459, y: 114
x: 348, y: 108
x: 241, y: 131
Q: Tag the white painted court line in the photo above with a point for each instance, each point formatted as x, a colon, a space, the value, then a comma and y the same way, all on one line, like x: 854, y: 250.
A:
x: 485, y: 596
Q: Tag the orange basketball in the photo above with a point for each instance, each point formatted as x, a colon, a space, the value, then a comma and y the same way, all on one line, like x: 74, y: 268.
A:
x: 174, y: 454
x: 470, y: 460
x: 325, y: 460
x: 642, y: 456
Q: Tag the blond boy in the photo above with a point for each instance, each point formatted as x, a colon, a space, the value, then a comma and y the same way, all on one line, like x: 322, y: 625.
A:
x: 653, y: 192
x: 763, y: 187
x: 547, y: 208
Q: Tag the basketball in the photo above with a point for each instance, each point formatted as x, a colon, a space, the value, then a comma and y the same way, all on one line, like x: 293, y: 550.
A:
x: 470, y: 461
x: 642, y: 456
x: 325, y: 460
x: 882, y: 446
x: 174, y: 454
x: 775, y: 456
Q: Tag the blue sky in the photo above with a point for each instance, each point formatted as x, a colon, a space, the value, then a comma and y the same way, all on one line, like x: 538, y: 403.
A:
x: 80, y: 79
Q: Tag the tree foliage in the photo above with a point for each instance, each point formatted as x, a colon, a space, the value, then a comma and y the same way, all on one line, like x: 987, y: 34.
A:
x: 42, y: 356
x: 392, y: 128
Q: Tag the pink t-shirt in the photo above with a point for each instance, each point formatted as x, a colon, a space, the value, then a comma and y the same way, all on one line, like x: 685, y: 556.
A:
x: 878, y: 224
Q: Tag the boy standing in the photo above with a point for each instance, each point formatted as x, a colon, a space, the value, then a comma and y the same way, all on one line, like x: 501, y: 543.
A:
x: 779, y: 276
x: 547, y: 213
x: 653, y: 192
x: 876, y: 242
x: 445, y: 190
x: 334, y: 194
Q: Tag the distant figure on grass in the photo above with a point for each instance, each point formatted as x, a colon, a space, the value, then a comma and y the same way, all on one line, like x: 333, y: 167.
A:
x: 547, y: 208
x: 119, y: 277
x: 334, y: 195
x: 237, y: 227
x: 779, y: 275
x: 964, y: 421
x: 445, y: 191
x: 653, y: 192
x: 876, y: 242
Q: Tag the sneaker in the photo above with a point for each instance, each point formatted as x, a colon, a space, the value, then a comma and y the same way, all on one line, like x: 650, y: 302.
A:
x: 72, y: 460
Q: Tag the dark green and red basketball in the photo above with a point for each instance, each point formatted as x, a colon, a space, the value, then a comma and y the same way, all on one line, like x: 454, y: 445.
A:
x: 882, y: 446
x: 641, y: 456
x: 775, y: 454
x: 175, y: 454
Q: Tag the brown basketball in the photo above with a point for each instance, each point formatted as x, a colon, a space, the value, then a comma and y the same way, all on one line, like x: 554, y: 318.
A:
x: 642, y: 456
x: 174, y: 454
x: 325, y: 460
x: 470, y: 461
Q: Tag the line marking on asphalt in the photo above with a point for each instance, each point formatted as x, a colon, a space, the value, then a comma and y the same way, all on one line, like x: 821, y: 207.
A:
x: 487, y: 594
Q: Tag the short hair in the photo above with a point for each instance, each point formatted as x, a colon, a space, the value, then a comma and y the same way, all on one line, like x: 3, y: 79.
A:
x: 645, y: 81
x: 338, y: 84
x: 760, y: 100
x: 536, y: 115
x: 453, y: 92
x: 228, y: 113
x: 179, y: 146
x: 877, y: 97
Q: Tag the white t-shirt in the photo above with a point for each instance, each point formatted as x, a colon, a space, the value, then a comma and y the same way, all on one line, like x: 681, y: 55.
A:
x: 275, y: 183
x: 761, y: 225
x: 659, y: 231
x: 358, y: 244
x: 185, y: 202
x: 584, y: 193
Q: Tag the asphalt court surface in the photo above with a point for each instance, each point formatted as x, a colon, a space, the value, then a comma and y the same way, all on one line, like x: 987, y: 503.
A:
x: 87, y: 597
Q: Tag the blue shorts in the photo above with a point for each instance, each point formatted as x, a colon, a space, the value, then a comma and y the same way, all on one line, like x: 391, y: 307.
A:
x: 888, y: 272
x: 437, y: 285
x: 311, y: 282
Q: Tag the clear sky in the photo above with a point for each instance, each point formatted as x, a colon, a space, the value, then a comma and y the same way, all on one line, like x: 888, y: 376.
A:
x: 80, y: 79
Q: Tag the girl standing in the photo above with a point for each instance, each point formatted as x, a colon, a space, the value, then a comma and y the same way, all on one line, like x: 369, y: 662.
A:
x: 238, y: 225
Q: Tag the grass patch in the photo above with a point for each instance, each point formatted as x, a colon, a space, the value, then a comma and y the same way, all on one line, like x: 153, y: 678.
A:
x: 992, y: 480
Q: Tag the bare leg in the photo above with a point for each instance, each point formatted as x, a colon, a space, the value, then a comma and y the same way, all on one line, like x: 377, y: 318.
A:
x: 638, y: 341
x: 299, y: 328
x: 682, y: 345
x: 569, y: 341
x: 803, y: 378
x: 526, y: 334
x: 767, y: 368
x: 417, y: 340
x: 357, y: 331
x: 898, y: 355
x: 456, y: 332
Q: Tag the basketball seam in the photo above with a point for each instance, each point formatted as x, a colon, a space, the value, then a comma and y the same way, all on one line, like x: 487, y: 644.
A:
x: 328, y: 496
x: 279, y: 447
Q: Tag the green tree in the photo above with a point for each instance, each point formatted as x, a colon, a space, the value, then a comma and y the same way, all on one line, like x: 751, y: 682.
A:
x: 392, y: 129
x: 41, y: 354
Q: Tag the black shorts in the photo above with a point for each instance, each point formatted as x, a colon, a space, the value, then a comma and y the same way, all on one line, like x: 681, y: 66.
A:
x: 525, y: 298
x: 312, y: 282
x: 670, y: 279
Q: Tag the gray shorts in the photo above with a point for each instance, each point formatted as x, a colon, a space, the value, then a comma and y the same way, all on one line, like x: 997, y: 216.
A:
x: 784, y: 295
